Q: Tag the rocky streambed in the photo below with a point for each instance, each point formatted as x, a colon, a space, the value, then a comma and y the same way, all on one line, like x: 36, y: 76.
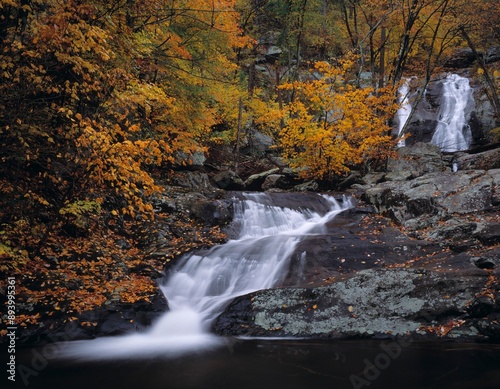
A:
x: 417, y: 256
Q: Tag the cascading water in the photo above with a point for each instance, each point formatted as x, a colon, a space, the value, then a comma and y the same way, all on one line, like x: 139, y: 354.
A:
x: 404, y: 110
x: 452, y: 132
x: 202, y: 284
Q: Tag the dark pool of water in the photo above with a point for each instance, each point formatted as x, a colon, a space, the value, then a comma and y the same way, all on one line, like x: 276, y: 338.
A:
x: 262, y: 364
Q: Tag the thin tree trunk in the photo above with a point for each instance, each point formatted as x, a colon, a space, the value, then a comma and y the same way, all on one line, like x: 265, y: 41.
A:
x: 381, y: 80
x: 492, y: 95
x: 238, y: 134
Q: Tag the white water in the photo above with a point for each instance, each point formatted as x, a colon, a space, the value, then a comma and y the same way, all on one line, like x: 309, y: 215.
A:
x: 452, y: 132
x: 202, y: 284
x: 404, y: 110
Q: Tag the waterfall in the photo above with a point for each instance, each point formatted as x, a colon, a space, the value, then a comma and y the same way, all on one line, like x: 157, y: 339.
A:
x: 452, y: 132
x: 404, y: 110
x: 201, y: 284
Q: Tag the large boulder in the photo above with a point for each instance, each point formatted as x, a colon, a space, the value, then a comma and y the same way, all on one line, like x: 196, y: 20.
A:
x: 415, y: 161
x: 486, y: 160
x: 194, y: 160
x: 229, y: 180
x: 209, y: 211
x: 256, y: 143
x: 193, y: 180
x: 255, y: 181
x: 374, y: 302
x: 435, y: 194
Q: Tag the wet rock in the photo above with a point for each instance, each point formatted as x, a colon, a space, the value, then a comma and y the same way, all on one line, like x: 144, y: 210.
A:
x: 490, y: 235
x: 210, y: 211
x: 113, y: 318
x: 392, y: 302
x: 297, y: 201
x: 487, y: 262
x: 354, y: 240
x: 489, y: 328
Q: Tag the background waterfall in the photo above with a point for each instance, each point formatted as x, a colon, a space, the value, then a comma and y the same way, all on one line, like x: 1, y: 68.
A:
x: 444, y: 116
x: 453, y: 132
x: 203, y: 283
x: 404, y: 110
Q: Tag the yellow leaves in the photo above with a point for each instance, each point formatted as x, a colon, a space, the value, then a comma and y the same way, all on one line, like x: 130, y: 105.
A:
x: 332, y: 126
x: 6, y: 3
x: 34, y: 197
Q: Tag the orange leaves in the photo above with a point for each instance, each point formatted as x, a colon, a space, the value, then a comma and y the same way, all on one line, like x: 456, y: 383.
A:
x: 332, y: 126
x: 443, y: 330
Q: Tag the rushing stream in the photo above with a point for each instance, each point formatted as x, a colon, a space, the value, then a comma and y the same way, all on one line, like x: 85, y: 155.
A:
x: 203, y: 283
x: 179, y: 352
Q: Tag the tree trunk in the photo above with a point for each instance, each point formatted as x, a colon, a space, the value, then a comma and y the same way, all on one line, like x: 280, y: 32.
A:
x: 492, y: 94
x: 236, y: 152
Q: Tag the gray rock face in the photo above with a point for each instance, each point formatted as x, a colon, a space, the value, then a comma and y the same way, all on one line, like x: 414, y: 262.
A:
x: 482, y: 161
x: 394, y: 302
x: 228, y: 180
x: 277, y: 181
x: 417, y: 160
x: 435, y: 194
x: 193, y: 180
x: 255, y: 181
x: 437, y: 276
x: 194, y: 160
x: 425, y: 119
x: 256, y: 143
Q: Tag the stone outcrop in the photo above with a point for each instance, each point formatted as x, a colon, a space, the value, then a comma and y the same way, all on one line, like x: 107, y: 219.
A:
x: 229, y: 180
x: 430, y: 273
x: 435, y: 196
x: 382, y: 302
x: 486, y: 160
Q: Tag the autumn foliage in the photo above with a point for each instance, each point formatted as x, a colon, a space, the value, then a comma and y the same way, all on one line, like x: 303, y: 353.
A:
x: 100, y: 101
x: 94, y: 96
x: 332, y: 126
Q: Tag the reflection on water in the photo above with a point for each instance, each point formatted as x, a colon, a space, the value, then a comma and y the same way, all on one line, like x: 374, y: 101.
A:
x: 290, y: 364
